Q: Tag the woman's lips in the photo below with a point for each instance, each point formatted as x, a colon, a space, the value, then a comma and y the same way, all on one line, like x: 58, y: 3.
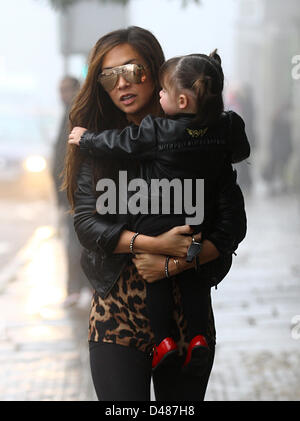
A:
x: 127, y: 99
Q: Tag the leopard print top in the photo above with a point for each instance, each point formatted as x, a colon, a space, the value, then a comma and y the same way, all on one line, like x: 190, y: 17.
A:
x: 121, y: 317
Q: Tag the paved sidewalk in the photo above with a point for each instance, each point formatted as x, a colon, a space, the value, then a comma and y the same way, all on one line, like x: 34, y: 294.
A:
x: 43, y: 348
x: 257, y: 309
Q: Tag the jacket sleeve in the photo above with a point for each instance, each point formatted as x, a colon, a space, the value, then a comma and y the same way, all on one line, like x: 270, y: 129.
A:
x: 229, y: 226
x: 131, y: 142
x: 239, y: 147
x: 94, y: 231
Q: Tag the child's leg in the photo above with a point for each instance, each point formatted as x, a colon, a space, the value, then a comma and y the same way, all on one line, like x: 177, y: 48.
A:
x: 195, y: 302
x: 159, y: 302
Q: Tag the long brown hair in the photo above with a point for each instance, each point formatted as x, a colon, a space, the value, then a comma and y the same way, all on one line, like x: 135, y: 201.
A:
x: 93, y: 108
x: 202, y: 75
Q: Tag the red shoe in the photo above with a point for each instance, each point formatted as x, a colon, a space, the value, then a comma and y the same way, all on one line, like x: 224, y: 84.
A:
x: 197, y: 355
x: 163, y: 352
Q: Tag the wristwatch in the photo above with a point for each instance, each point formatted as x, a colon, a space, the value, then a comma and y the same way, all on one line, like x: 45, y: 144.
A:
x: 194, y: 250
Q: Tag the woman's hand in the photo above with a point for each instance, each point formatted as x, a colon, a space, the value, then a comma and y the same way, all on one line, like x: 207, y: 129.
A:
x: 75, y: 135
x: 176, y: 241
x: 151, y: 267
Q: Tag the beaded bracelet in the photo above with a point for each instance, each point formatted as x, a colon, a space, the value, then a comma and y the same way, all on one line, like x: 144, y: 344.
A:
x: 132, y: 241
x: 167, y: 267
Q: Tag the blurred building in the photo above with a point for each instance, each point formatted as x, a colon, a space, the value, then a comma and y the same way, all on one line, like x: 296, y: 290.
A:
x: 83, y: 23
x: 267, y: 39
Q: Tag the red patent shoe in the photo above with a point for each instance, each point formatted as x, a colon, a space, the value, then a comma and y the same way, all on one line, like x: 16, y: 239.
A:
x: 164, y: 352
x: 197, y: 356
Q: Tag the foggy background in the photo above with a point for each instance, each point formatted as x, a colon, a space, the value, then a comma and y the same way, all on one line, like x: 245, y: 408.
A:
x: 258, y: 303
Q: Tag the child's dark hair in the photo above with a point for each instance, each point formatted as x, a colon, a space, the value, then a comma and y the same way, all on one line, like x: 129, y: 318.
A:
x: 202, y: 75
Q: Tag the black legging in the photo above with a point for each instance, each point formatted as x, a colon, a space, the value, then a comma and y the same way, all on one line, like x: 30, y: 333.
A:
x: 123, y: 373
x: 195, y: 303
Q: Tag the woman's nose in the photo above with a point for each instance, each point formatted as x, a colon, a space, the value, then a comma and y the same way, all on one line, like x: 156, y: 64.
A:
x: 122, y: 82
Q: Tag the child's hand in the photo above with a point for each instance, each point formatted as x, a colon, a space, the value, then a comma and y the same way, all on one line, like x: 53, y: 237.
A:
x: 75, y: 135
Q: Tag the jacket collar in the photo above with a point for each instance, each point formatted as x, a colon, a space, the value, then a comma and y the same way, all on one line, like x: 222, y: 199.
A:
x: 188, y: 116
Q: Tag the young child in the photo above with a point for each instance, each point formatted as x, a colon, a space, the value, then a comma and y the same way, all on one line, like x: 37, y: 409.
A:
x: 197, y: 141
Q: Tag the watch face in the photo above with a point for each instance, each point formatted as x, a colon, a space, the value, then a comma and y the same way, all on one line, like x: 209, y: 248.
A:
x: 193, y: 250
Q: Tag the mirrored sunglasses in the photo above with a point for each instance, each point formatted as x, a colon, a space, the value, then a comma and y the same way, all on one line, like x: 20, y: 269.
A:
x: 132, y: 73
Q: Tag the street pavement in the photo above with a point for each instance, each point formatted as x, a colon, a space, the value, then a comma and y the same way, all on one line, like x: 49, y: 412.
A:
x: 43, y: 346
x: 257, y: 309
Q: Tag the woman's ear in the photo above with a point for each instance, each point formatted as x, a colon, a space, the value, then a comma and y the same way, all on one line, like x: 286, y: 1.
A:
x: 183, y: 101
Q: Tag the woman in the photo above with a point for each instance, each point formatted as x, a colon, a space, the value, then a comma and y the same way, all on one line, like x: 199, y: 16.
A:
x: 119, y: 332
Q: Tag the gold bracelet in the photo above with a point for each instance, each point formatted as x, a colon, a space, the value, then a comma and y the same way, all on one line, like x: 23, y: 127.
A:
x: 176, y: 261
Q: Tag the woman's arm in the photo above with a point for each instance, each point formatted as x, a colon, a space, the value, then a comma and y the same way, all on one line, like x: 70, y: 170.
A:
x: 95, y: 232
x: 228, y: 230
x: 152, y: 267
x: 107, y: 235
x: 174, y: 242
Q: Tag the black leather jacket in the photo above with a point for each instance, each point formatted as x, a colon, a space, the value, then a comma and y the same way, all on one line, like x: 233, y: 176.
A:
x: 162, y: 144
